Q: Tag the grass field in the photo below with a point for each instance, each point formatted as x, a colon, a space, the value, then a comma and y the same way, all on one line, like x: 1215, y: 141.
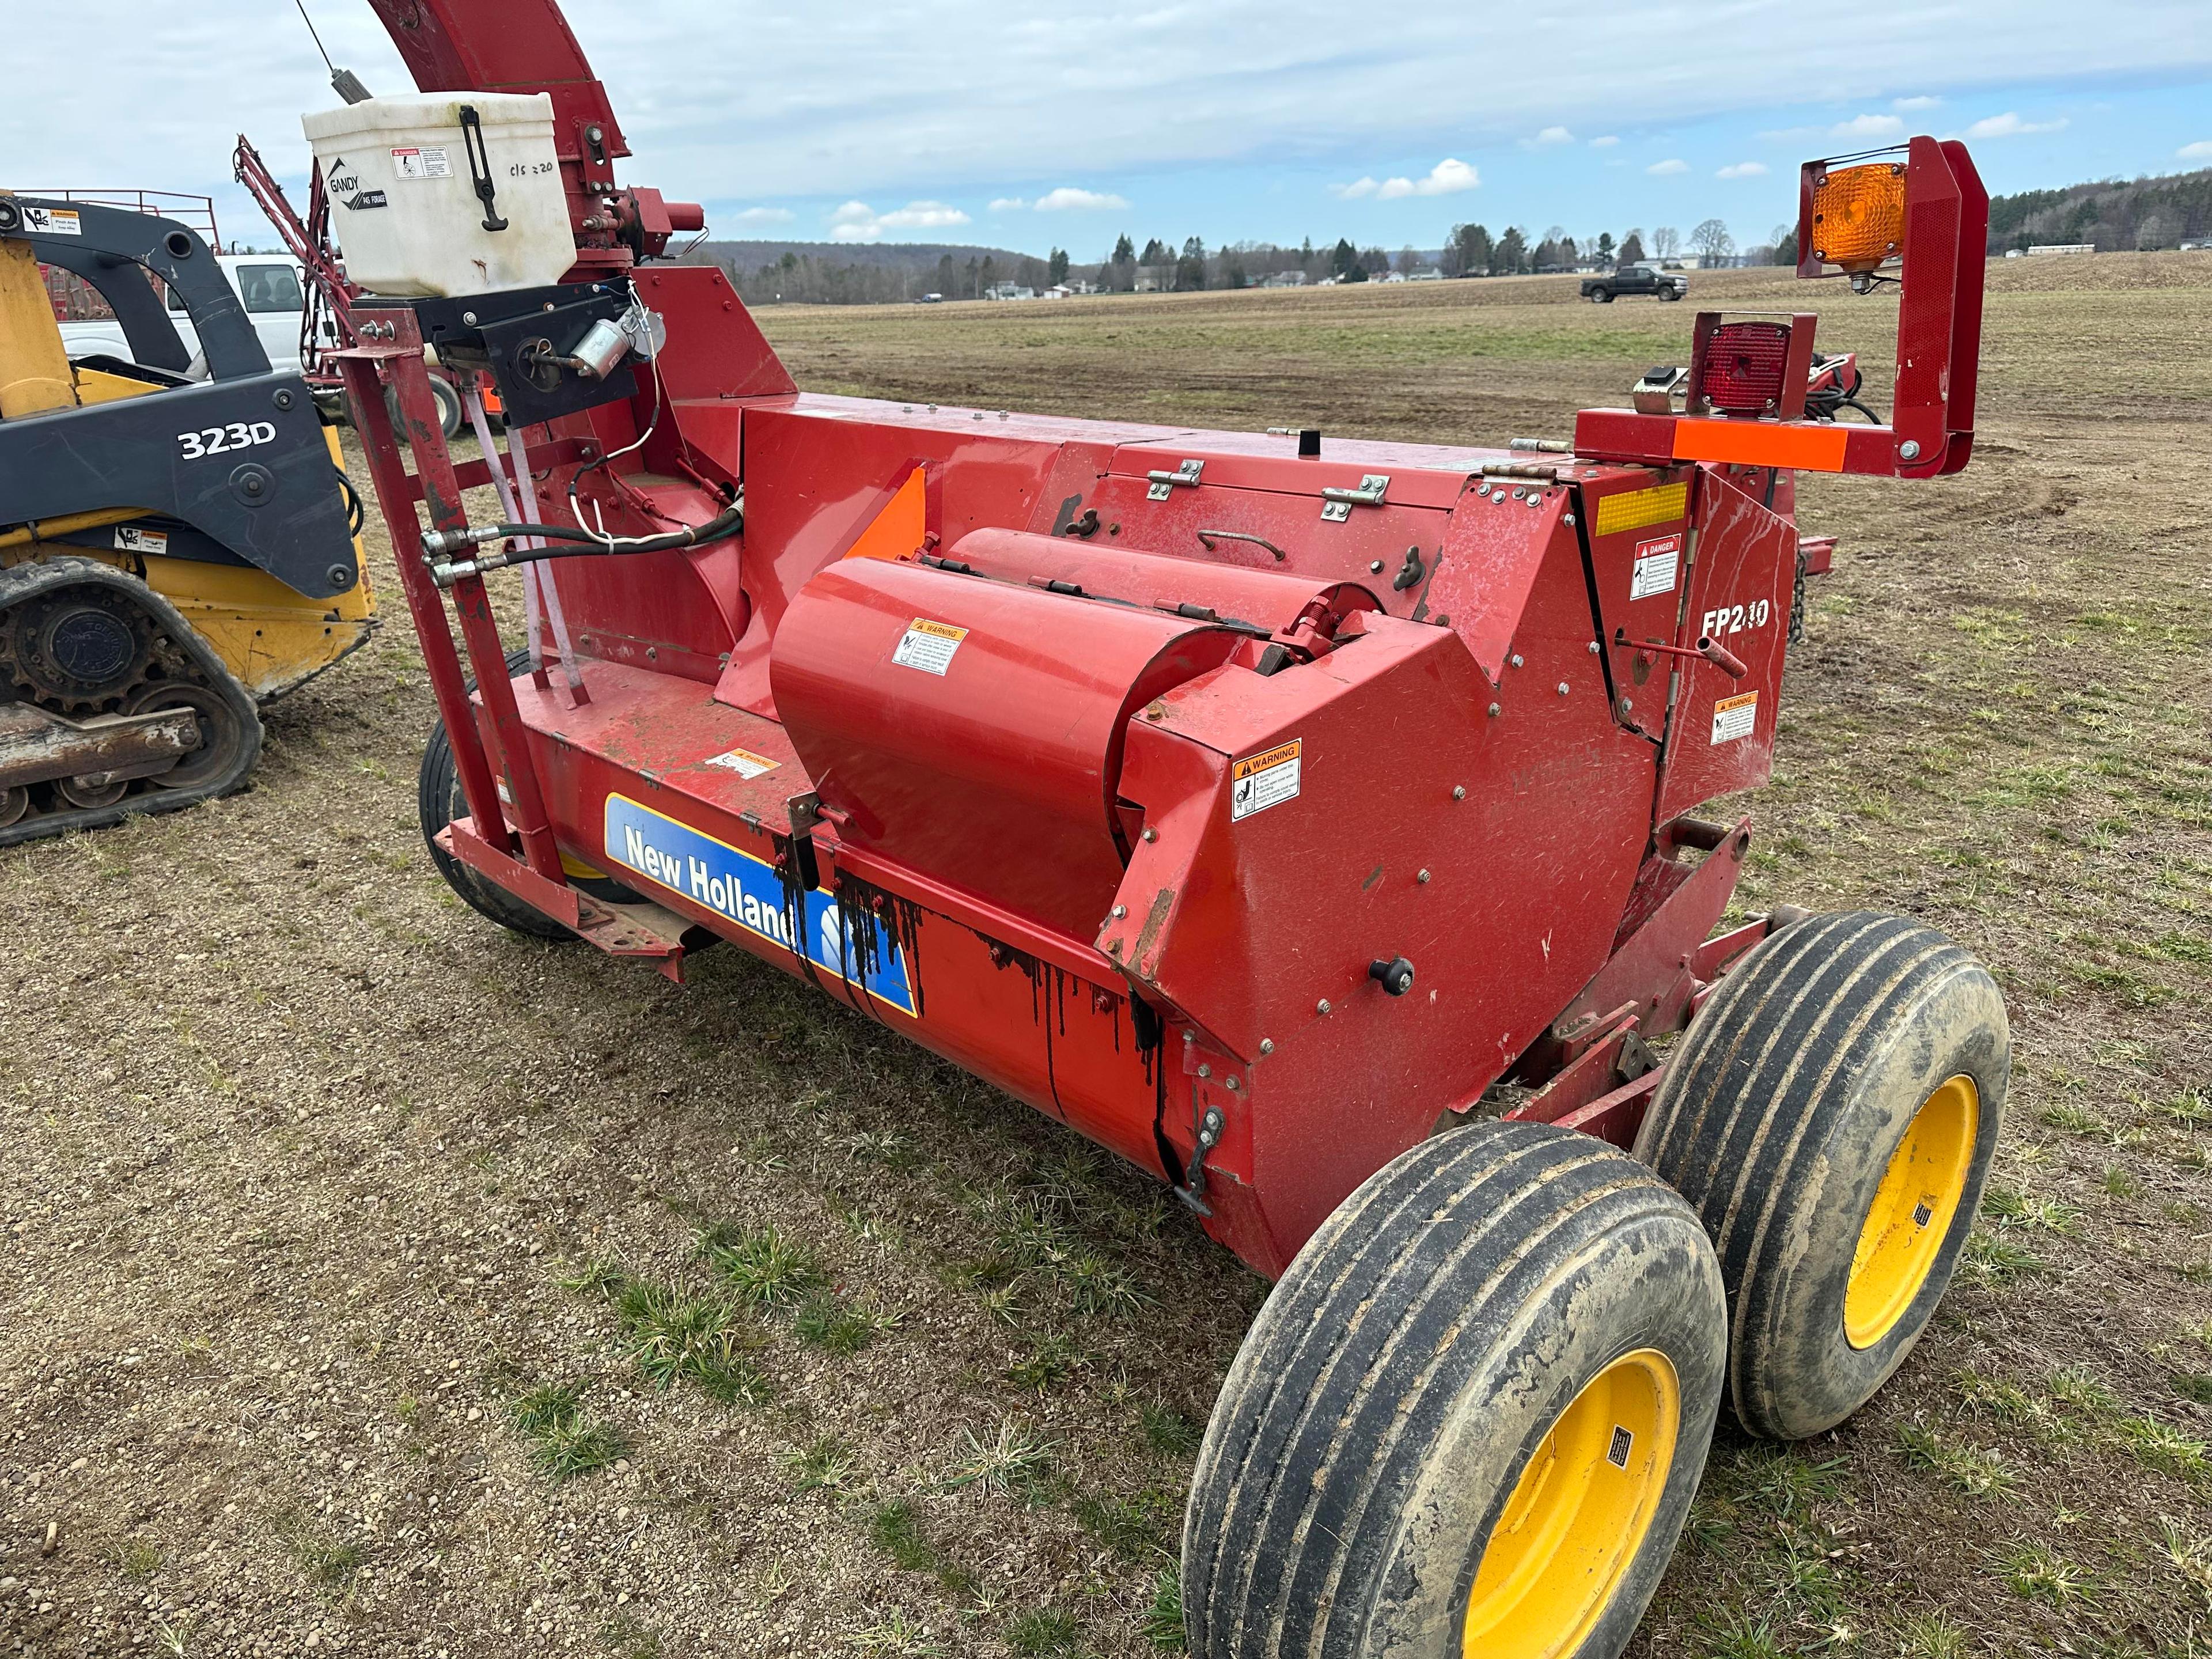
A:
x: 381, y: 1283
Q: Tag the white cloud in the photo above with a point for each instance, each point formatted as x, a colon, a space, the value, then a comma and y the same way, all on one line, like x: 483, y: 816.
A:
x: 1067, y: 198
x: 2009, y: 125
x: 759, y: 216
x: 1868, y: 127
x: 856, y: 222
x: 1667, y: 168
x: 1008, y: 204
x: 1606, y: 143
x: 1914, y: 103
x: 1743, y: 170
x: 1547, y: 138
x: 1447, y: 178
x: 2200, y: 151
x: 924, y: 216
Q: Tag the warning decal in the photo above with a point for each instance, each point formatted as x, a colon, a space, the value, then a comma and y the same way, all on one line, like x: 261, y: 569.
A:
x: 745, y: 763
x: 1658, y: 563
x: 1623, y: 1443
x: 52, y: 222
x: 928, y: 645
x: 1264, y: 781
x: 1733, y: 717
x: 129, y: 539
x: 414, y: 163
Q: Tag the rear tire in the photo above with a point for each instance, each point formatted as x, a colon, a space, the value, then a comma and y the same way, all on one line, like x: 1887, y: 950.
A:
x: 1831, y: 1113
x: 1470, y: 1418
x: 438, y: 801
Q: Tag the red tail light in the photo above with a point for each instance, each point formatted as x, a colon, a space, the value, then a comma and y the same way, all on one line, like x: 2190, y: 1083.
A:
x: 1744, y: 367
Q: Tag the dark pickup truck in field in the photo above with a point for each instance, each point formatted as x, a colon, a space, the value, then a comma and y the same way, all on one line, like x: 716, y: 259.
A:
x: 1634, y: 279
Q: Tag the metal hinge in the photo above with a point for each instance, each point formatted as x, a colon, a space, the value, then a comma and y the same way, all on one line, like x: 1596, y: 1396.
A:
x: 1337, y: 503
x: 1164, y: 484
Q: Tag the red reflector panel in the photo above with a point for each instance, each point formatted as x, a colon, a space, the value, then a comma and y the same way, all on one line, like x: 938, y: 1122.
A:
x: 1743, y: 367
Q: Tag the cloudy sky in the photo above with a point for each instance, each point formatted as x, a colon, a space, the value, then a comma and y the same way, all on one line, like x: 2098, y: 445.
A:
x: 1033, y: 123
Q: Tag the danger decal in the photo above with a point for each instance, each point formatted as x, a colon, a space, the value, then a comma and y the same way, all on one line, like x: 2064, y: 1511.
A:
x: 1658, y: 563
x: 748, y: 891
x: 52, y: 222
x: 1263, y: 780
x: 419, y: 163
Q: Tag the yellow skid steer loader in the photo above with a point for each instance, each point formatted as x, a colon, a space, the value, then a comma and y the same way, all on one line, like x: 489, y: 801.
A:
x: 178, y: 539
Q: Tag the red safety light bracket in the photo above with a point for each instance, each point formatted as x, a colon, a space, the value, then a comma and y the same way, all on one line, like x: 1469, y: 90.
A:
x: 1939, y: 334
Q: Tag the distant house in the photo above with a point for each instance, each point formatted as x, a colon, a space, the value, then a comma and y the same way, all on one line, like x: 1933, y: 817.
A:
x: 1392, y: 276
x: 1284, y: 279
x: 2051, y: 250
x: 1432, y: 275
x: 1147, y: 285
x: 1009, y: 291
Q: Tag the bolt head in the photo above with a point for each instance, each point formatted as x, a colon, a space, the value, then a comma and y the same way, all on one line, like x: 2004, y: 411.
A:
x: 1205, y: 1070
x: 1230, y: 1084
x: 1423, y: 878
x: 1626, y: 705
x: 1563, y: 688
x: 1151, y: 834
x: 1567, y: 518
x: 1594, y: 647
x: 1459, y: 792
x: 1909, y: 450
x: 1376, y: 568
x: 1266, y: 1045
x: 1321, y: 1007
x: 1495, y: 709
x: 1120, y: 911
x: 1516, y: 659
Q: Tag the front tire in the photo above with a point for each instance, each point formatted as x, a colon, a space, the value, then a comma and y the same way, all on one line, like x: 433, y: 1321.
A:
x: 1471, y: 1418
x: 439, y: 800
x: 1831, y: 1113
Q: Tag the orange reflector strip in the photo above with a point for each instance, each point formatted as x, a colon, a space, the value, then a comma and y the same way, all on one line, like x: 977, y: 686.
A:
x: 897, y: 532
x: 1759, y: 443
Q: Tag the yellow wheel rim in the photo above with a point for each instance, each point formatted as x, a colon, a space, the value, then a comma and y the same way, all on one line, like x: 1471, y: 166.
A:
x: 1578, y: 1515
x: 1912, y: 1213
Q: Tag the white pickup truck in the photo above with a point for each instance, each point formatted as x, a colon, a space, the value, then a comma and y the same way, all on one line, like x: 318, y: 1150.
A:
x: 267, y: 285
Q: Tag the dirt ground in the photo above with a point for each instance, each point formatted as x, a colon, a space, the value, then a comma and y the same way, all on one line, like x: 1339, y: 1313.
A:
x: 380, y: 1282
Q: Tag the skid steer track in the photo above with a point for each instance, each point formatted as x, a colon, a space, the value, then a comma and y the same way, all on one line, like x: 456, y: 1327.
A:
x: 169, y: 667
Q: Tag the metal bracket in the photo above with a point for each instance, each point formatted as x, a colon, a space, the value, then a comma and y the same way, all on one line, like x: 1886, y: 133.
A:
x: 1192, y: 1192
x: 1337, y: 502
x: 1164, y: 484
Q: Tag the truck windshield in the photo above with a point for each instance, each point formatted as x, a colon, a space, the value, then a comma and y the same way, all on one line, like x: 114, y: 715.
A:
x: 269, y: 288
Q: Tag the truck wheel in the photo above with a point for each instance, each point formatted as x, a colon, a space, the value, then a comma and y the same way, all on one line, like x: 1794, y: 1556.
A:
x: 1601, y: 298
x: 1670, y: 294
x: 1831, y: 1113
x: 450, y: 415
x: 1470, y: 1418
x: 438, y: 801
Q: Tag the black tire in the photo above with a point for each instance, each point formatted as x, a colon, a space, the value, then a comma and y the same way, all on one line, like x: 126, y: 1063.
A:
x: 451, y: 418
x: 1406, y: 1374
x: 1670, y: 295
x: 1780, y: 1116
x: 438, y: 801
x: 1603, y: 297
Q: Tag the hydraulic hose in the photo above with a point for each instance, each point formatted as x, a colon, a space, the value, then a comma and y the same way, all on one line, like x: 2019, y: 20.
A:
x: 562, y: 542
